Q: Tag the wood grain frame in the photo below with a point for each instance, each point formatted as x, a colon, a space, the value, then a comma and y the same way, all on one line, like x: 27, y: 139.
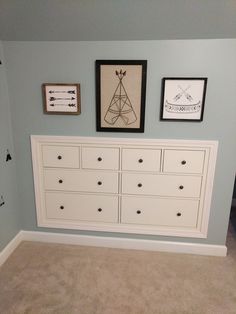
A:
x: 61, y: 99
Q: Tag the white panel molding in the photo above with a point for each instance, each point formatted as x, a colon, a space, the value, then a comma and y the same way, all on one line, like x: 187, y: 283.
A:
x: 112, y: 242
x: 200, y: 231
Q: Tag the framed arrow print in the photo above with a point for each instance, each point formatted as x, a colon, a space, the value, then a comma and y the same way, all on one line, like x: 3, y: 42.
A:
x: 183, y: 99
x: 120, y: 95
x: 61, y: 98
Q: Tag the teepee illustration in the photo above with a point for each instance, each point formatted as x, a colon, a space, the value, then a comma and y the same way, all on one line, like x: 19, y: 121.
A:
x: 120, y: 105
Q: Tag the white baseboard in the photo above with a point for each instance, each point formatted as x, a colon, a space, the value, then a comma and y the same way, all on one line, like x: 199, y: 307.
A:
x: 11, y: 246
x: 112, y: 242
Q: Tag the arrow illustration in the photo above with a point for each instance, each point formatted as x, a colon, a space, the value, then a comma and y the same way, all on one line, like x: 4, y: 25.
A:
x: 183, y: 92
x: 179, y: 95
x: 69, y: 105
x: 63, y: 91
x: 187, y: 95
x: 54, y: 98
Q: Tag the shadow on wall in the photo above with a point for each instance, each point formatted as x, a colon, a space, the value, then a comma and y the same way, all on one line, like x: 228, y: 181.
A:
x: 233, y: 207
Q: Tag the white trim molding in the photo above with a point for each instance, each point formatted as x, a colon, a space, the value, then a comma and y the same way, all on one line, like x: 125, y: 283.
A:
x: 112, y: 242
x: 10, y: 247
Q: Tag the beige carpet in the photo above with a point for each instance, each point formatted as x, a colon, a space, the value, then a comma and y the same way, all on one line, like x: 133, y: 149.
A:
x: 62, y: 279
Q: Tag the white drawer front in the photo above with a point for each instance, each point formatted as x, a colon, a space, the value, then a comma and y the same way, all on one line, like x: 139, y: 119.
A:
x: 100, y: 158
x: 60, y: 156
x: 183, y: 161
x: 161, y: 212
x: 68, y: 207
x: 75, y: 180
x: 162, y: 185
x: 141, y: 159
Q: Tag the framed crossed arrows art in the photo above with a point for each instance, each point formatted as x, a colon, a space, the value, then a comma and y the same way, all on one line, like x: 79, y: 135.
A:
x: 120, y: 95
x: 183, y: 99
x: 61, y: 98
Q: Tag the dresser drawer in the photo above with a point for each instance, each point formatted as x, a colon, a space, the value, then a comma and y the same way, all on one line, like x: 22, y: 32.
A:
x: 68, y: 207
x: 60, y: 156
x: 141, y: 159
x: 183, y: 161
x: 100, y: 158
x: 76, y: 180
x: 161, y: 212
x: 162, y: 185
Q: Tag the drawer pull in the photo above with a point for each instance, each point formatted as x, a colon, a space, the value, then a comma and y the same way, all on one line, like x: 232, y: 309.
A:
x: 138, y: 212
x: 181, y: 187
x: 59, y: 157
x: 178, y: 214
x: 140, y: 160
x: 61, y: 207
x: 99, y: 209
x: 99, y: 182
x: 140, y: 185
x: 183, y: 162
x: 99, y: 158
x: 60, y: 181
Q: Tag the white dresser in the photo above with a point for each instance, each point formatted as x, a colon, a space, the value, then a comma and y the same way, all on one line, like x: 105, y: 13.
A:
x: 143, y: 186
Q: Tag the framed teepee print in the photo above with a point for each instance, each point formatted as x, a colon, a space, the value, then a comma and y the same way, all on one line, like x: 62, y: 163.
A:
x: 120, y: 95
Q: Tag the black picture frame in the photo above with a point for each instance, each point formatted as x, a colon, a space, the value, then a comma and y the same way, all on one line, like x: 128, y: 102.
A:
x: 120, y: 95
x: 183, y: 98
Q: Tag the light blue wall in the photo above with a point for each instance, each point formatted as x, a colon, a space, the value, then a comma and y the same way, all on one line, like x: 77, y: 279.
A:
x: 29, y: 64
x: 9, y: 213
x: 74, y: 20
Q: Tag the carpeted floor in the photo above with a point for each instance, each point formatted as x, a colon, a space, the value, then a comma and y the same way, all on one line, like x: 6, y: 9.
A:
x: 65, y: 279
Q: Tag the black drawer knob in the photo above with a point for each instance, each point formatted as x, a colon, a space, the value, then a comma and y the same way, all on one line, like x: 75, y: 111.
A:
x: 59, y: 157
x: 140, y: 160
x: 183, y: 162
x: 60, y: 181
x: 99, y: 182
x: 61, y: 207
x: 140, y: 185
x: 138, y: 212
x: 178, y: 214
x: 99, y: 158
x: 99, y: 209
x: 181, y: 187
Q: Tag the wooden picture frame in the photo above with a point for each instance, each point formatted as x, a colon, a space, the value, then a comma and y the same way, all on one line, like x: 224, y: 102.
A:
x: 120, y: 95
x: 61, y: 98
x: 183, y: 99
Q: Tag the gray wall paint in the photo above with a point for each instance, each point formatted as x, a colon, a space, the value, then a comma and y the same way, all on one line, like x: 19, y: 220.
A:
x: 9, y: 213
x: 116, y: 19
x: 29, y: 64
